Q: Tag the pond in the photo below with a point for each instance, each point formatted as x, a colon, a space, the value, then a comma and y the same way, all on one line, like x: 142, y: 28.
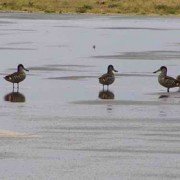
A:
x: 61, y: 125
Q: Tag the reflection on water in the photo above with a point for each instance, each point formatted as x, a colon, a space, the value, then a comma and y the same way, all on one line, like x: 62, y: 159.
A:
x: 15, y: 97
x: 106, y: 94
x: 163, y: 96
x: 105, y: 137
x: 109, y: 108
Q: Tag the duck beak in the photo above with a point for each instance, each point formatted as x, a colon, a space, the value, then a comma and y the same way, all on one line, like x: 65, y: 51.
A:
x: 157, y: 71
x: 115, y: 70
x: 25, y: 69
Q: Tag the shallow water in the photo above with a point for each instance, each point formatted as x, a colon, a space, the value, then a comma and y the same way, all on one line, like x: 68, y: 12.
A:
x: 59, y: 126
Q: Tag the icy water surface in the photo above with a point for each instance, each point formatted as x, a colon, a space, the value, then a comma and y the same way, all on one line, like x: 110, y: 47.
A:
x: 60, y: 126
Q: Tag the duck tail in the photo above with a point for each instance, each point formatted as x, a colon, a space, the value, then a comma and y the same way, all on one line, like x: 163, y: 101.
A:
x: 178, y: 83
x: 178, y: 80
x: 7, y: 78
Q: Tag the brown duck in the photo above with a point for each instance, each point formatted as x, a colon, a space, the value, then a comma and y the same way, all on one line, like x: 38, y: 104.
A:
x: 167, y: 81
x: 108, y: 78
x: 18, y: 76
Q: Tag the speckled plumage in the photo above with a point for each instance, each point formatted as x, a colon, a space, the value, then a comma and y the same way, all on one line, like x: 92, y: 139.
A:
x: 108, y: 78
x: 167, y: 81
x: 18, y: 76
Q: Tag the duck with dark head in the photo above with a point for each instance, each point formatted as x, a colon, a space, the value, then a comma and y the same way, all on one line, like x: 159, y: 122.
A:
x: 108, y: 78
x: 18, y: 76
x: 167, y: 81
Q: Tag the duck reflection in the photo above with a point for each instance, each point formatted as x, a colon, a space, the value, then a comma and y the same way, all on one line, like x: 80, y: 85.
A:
x: 163, y: 96
x: 106, y: 94
x: 15, y: 97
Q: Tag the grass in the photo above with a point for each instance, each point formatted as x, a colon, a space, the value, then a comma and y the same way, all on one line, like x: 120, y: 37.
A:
x: 145, y: 7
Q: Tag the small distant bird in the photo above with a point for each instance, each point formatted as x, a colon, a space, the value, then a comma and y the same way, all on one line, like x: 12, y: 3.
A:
x: 108, y: 78
x: 167, y: 81
x: 94, y: 47
x: 18, y: 76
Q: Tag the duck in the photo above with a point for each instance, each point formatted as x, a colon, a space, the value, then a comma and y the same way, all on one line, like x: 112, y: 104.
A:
x: 167, y: 81
x: 108, y: 78
x: 18, y: 76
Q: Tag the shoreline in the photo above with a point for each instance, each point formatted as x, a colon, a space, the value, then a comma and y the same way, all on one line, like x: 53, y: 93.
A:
x: 97, y: 7
x: 88, y: 14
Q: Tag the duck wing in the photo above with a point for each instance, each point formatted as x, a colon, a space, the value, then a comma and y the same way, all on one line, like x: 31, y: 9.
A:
x: 10, y: 77
x: 15, y: 77
x: 170, y: 81
x: 105, y: 78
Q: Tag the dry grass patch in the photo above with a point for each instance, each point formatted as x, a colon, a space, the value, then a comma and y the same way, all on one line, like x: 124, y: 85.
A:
x: 164, y: 7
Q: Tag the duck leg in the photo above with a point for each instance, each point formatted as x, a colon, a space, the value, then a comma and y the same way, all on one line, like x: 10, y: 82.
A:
x: 167, y: 89
x: 13, y: 87
x: 17, y: 86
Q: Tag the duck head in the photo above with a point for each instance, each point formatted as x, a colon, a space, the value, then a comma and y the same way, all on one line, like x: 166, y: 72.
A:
x: 21, y: 68
x: 111, y: 69
x: 162, y: 69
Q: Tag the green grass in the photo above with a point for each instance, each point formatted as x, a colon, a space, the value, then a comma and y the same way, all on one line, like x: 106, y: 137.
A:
x: 145, y: 7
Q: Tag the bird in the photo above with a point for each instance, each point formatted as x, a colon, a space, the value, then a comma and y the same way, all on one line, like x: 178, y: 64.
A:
x: 94, y: 47
x: 18, y: 76
x: 167, y: 81
x: 108, y: 78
